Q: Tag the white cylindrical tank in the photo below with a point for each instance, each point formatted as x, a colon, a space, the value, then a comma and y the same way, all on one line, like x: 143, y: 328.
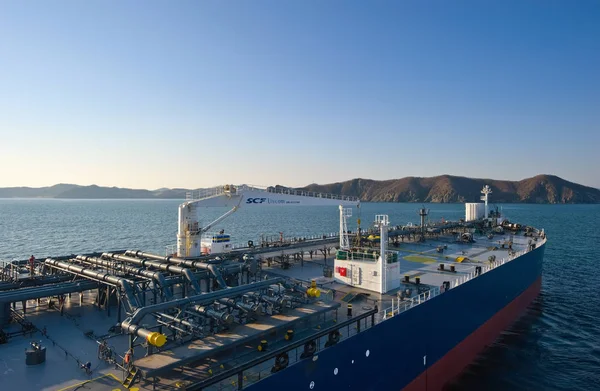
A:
x: 474, y: 211
x: 468, y: 211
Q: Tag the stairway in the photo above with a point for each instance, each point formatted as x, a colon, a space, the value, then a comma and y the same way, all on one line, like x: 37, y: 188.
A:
x: 131, y: 377
x: 349, y: 297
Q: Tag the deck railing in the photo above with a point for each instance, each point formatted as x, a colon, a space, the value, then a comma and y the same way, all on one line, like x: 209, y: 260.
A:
x: 9, y: 271
x: 204, y: 193
x: 398, y: 305
x: 259, y: 367
x: 305, y: 193
x: 171, y: 249
x: 366, y: 255
x: 218, y: 190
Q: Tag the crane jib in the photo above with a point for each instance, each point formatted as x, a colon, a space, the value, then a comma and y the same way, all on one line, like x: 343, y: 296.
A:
x: 192, y: 238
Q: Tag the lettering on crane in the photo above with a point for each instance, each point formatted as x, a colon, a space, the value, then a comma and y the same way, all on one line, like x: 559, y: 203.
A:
x: 255, y: 200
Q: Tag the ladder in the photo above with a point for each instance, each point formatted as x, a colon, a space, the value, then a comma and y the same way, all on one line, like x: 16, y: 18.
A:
x: 349, y: 297
x: 132, y: 375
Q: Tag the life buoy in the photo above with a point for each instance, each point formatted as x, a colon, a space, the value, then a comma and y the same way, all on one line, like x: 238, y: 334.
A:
x: 127, y: 357
x: 334, y: 337
x: 309, y: 349
x: 282, y: 360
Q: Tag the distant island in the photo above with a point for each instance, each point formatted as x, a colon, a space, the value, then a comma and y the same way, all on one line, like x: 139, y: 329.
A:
x: 541, y: 189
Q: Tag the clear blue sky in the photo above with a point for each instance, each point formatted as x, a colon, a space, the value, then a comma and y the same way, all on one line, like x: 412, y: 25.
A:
x: 155, y: 94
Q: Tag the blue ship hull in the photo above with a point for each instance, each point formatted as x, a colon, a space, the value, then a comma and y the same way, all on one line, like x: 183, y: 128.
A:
x: 427, y: 346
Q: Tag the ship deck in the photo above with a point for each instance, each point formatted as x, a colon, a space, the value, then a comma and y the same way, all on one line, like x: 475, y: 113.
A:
x: 417, y: 259
x: 70, y: 338
x: 239, y: 339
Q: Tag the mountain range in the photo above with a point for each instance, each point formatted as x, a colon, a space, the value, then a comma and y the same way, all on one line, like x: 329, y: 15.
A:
x: 444, y: 188
x: 64, y: 190
x: 541, y: 189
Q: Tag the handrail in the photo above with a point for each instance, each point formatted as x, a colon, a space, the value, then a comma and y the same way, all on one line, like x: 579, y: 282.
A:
x: 9, y: 271
x: 410, y: 303
x: 204, y: 193
x: 274, y: 353
x: 218, y: 190
x: 436, y: 291
x: 313, y: 194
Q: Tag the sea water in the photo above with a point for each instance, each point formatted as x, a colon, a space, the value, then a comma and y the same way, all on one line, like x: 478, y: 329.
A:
x: 556, y: 346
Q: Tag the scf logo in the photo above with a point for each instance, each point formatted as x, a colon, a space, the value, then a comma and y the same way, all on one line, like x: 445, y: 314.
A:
x: 255, y: 200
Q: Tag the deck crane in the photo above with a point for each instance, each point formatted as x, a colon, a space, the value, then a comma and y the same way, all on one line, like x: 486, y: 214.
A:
x: 189, y: 233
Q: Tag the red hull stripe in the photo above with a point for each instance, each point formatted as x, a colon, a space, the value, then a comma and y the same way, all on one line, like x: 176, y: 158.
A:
x: 457, y: 359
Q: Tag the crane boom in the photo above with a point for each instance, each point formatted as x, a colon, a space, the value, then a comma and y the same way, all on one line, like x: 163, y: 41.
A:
x: 189, y: 233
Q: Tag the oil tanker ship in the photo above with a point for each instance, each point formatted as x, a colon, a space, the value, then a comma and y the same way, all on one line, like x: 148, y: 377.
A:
x: 378, y: 308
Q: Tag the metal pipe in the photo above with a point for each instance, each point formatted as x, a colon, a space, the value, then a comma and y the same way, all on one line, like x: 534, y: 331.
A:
x: 240, y: 267
x: 177, y: 320
x: 281, y: 301
x: 278, y: 289
x: 171, y: 326
x: 221, y: 316
x: 156, y: 276
x: 214, y: 271
x: 153, y: 337
x: 131, y: 326
x: 203, y: 299
x: 41, y: 290
x: 36, y: 293
x: 187, y: 273
x: 47, y: 280
x: 123, y: 283
x: 59, y: 269
x: 245, y: 307
x: 181, y: 261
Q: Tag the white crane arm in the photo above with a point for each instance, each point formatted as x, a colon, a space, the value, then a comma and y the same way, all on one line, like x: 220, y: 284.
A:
x: 189, y: 232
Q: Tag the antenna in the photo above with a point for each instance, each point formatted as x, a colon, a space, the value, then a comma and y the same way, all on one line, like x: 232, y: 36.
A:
x: 358, y: 239
x: 423, y: 213
x: 486, y: 191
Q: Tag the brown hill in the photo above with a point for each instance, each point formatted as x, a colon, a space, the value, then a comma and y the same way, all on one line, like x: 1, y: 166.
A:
x: 446, y: 188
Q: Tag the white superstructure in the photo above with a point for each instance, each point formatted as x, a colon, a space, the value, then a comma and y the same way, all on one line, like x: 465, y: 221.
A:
x: 372, y: 269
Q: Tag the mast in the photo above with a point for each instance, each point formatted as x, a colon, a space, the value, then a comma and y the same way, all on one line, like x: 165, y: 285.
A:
x: 383, y: 222
x: 423, y: 213
x: 344, y: 237
x: 486, y: 191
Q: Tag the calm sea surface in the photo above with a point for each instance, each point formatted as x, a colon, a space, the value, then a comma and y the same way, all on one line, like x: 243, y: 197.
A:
x: 555, y: 347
